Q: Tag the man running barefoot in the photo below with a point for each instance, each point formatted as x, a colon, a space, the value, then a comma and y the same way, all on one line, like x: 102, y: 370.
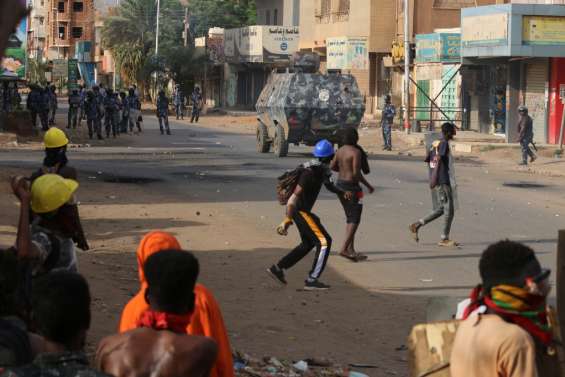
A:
x: 349, y: 162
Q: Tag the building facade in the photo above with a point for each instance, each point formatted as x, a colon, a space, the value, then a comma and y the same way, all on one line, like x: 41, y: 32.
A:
x: 68, y: 22
x: 278, y: 12
x: 37, y: 29
x: 373, y: 20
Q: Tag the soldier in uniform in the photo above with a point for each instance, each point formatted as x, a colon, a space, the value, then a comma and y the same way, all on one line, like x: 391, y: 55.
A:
x: 111, y: 108
x: 134, y: 107
x: 100, y: 103
x: 196, y: 99
x: 389, y: 112
x: 92, y: 112
x: 163, y: 112
x: 124, y: 113
x: 82, y: 100
x: 52, y: 104
x: 178, y: 101
x: 74, y: 105
x: 33, y: 103
x: 44, y: 108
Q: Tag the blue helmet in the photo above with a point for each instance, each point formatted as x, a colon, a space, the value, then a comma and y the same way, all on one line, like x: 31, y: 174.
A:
x: 323, y: 149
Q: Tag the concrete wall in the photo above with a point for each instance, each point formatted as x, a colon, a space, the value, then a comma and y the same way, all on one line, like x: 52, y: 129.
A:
x: 287, y: 12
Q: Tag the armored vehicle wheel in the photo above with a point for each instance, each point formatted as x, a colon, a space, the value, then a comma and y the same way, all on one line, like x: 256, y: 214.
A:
x: 263, y: 143
x: 280, y: 145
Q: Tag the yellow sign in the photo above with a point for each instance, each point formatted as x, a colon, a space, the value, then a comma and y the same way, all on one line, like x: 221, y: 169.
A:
x: 487, y: 30
x: 543, y: 30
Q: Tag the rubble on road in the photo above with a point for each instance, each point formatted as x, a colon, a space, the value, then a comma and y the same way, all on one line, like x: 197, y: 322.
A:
x: 249, y: 366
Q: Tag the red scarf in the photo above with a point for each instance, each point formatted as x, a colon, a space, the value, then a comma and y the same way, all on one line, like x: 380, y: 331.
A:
x: 164, y: 321
x: 536, y: 326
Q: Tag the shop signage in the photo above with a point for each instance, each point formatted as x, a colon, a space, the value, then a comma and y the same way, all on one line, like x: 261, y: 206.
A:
x: 72, y: 82
x: 485, y: 30
x: 260, y: 44
x: 438, y: 47
x: 60, y: 68
x: 347, y: 53
x: 543, y: 30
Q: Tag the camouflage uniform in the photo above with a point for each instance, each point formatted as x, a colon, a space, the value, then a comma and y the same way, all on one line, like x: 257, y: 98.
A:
x: 52, y: 104
x: 66, y: 364
x: 74, y: 105
x: 196, y: 99
x: 44, y: 109
x: 33, y: 104
x: 112, y: 114
x: 178, y: 101
x: 134, y: 107
x: 389, y: 112
x: 163, y: 113
x: 92, y: 111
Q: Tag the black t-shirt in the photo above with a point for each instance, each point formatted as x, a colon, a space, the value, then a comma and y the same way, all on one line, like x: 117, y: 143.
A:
x: 311, y: 181
x: 443, y: 152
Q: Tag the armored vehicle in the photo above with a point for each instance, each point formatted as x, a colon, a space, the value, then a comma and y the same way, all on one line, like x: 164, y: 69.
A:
x: 302, y: 106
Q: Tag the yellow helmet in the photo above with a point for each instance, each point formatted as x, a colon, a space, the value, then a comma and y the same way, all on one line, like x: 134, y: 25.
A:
x: 50, y: 192
x: 55, y: 138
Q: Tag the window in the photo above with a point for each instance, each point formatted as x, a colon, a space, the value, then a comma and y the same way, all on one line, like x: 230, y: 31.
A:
x: 61, y: 33
x: 323, y: 13
x: 78, y: 6
x: 276, y: 17
x: 267, y: 17
x: 61, y: 7
x: 42, y: 3
x: 41, y: 20
x: 77, y: 32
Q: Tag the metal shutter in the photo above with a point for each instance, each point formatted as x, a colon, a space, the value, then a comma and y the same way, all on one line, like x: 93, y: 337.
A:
x: 536, y: 97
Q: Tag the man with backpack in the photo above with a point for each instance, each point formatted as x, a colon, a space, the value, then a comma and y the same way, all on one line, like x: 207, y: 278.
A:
x: 351, y: 163
x: 300, y: 189
x: 443, y: 185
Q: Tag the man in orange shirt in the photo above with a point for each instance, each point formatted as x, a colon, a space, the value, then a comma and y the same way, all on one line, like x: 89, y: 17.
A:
x: 506, y: 320
x: 207, y: 317
x: 160, y: 345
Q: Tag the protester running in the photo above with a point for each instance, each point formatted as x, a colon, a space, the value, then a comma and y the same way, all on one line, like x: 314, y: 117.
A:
x: 313, y: 175
x: 443, y: 185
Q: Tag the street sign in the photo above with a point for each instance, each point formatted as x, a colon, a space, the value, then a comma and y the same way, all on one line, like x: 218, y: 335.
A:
x: 72, y: 82
x: 60, y: 68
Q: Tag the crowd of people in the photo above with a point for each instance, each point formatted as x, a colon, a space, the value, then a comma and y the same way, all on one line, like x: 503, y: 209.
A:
x: 108, y: 113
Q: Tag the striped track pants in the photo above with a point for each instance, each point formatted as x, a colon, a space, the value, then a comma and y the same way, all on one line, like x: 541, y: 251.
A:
x: 313, y: 235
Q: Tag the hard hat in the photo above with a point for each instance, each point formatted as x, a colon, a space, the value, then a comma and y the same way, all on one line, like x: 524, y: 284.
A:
x: 50, y: 192
x: 323, y: 149
x: 55, y: 138
x: 522, y: 109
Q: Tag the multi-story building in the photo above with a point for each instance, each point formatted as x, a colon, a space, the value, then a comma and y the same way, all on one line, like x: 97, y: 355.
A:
x: 368, y: 22
x: 69, y: 21
x: 278, y: 12
x: 37, y: 29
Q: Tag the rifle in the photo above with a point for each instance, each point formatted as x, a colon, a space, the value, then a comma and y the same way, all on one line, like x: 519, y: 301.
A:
x: 534, y: 145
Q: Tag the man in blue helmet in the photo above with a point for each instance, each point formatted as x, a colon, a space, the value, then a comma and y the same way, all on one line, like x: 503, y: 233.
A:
x: 313, y: 175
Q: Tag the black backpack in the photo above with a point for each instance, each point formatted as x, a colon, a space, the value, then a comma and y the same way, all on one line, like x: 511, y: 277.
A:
x: 287, y: 182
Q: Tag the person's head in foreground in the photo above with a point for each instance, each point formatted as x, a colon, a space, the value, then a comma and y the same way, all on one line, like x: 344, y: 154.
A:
x: 171, y: 276
x: 448, y: 130
x: 160, y: 346
x: 61, y: 310
x: 50, y: 196
x: 522, y: 110
x: 55, y: 142
x: 350, y: 136
x: 324, y: 151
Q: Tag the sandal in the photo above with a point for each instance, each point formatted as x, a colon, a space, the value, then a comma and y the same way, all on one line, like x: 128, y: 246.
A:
x: 353, y: 257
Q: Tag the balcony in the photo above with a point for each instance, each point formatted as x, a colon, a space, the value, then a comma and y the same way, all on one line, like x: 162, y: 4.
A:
x: 322, y: 17
x: 340, y: 16
x: 57, y: 42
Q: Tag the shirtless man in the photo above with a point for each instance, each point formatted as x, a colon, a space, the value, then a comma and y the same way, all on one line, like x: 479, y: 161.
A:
x: 161, y: 347
x: 351, y: 162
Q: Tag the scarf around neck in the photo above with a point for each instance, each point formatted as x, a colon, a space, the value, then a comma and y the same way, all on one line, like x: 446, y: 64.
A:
x: 164, y: 321
x: 515, y: 305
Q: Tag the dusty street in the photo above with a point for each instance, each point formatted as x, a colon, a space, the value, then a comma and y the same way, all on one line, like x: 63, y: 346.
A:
x: 208, y: 186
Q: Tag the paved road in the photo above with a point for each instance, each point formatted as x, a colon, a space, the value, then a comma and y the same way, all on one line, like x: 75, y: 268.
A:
x: 211, y: 166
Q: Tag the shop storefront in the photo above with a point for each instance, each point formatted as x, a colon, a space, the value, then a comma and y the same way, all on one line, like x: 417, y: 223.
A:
x: 509, y: 61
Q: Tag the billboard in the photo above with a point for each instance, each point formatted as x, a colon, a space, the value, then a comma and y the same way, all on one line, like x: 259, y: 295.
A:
x: 438, y: 47
x: 347, y: 53
x: 543, y: 30
x: 493, y: 30
x: 260, y: 44
x: 15, y: 56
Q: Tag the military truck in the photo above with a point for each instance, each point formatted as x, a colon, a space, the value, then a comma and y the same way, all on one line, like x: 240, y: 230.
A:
x: 299, y: 105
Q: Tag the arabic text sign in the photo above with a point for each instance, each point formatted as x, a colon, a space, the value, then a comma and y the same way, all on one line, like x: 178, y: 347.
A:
x: 60, y: 68
x: 72, y: 82
x: 347, y: 53
x: 260, y: 44
x: 486, y: 30
x: 542, y: 30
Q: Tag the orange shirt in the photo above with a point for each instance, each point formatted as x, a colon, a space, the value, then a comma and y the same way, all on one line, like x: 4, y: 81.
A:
x: 206, y: 319
x: 488, y: 346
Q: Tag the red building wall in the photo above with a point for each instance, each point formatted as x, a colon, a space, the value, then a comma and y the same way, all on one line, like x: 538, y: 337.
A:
x: 556, y: 79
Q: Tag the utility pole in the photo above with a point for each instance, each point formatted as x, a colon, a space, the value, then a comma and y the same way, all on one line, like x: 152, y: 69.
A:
x: 186, y: 27
x: 157, y: 31
x: 406, y: 96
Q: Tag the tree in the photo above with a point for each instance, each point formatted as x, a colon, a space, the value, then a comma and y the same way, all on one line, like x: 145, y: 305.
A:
x: 227, y: 14
x: 37, y: 71
x: 129, y: 33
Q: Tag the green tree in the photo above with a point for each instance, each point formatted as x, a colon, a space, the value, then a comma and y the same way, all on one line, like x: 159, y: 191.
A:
x: 227, y: 14
x: 36, y: 71
x: 129, y: 33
